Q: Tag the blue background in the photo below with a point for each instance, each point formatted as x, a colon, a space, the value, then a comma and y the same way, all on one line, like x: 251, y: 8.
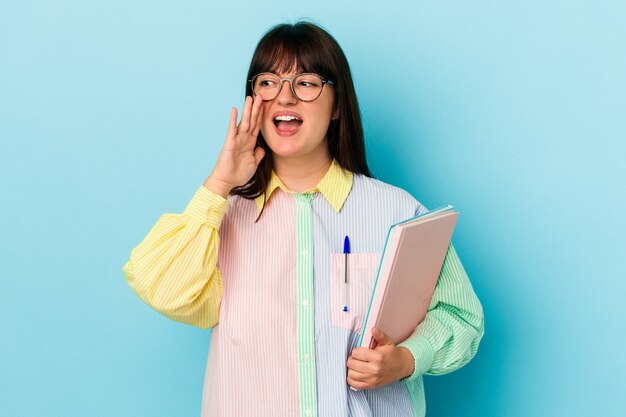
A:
x: 112, y: 113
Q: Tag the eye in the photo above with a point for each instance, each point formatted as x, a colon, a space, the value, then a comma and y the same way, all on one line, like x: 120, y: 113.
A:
x: 309, y: 82
x: 266, y: 81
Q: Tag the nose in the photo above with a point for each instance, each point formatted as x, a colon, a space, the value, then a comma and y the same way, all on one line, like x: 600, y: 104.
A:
x: 285, y: 95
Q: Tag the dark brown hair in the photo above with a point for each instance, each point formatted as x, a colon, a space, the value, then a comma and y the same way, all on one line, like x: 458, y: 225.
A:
x: 309, y: 48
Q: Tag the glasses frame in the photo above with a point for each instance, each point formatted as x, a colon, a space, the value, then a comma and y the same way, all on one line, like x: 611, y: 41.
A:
x: 282, y: 81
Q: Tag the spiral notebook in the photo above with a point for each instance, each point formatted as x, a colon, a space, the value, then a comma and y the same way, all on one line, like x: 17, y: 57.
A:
x: 407, y: 274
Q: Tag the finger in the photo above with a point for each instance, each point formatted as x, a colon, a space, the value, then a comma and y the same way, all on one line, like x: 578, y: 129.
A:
x: 232, y: 125
x: 369, y: 368
x: 357, y: 384
x: 359, y: 351
x: 358, y: 376
x: 357, y: 365
x: 256, y: 109
x: 381, y: 338
x: 245, y: 116
x: 365, y: 354
x: 257, y: 127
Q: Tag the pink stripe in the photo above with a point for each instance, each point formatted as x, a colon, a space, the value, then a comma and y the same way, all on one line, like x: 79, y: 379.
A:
x: 258, y: 277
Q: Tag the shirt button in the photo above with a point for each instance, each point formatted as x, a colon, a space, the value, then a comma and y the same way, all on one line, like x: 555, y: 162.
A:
x: 304, y: 252
x: 306, y: 358
x: 308, y: 413
x: 305, y: 302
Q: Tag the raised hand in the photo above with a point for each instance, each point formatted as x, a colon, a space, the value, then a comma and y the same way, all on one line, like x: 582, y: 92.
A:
x: 239, y: 158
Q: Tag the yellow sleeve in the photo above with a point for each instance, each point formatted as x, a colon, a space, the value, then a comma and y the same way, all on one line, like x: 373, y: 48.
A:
x: 174, y: 269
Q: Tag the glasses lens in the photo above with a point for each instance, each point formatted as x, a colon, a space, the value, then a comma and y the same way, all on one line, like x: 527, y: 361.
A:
x: 308, y: 86
x: 266, y: 85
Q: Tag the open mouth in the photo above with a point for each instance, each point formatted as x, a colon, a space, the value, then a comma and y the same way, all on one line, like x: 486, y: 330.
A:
x: 287, y: 125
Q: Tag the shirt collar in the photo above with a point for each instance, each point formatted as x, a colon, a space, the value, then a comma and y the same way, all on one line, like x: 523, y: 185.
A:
x: 335, y: 186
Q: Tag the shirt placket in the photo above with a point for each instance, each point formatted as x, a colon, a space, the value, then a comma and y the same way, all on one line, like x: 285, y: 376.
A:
x: 306, y: 323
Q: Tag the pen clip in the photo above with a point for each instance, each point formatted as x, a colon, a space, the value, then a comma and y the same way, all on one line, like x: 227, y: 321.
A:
x: 346, y: 251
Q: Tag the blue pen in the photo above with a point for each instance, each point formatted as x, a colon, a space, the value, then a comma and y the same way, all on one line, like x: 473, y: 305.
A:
x: 346, y: 251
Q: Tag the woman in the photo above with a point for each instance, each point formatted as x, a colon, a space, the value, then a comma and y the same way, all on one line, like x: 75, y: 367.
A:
x: 251, y: 255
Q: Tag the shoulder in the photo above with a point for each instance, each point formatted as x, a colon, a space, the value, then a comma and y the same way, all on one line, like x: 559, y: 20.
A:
x: 381, y: 190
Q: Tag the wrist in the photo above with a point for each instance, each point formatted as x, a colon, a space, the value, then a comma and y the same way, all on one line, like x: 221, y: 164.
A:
x: 408, y: 362
x: 218, y: 186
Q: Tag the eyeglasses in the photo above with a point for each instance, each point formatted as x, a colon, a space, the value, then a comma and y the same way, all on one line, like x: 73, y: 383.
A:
x: 306, y: 87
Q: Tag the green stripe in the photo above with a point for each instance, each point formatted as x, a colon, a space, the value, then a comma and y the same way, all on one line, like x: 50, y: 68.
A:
x: 306, y: 301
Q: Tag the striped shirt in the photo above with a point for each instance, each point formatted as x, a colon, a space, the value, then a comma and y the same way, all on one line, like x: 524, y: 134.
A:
x: 271, y: 291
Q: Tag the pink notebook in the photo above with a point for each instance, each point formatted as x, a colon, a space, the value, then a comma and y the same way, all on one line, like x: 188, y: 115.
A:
x: 407, y: 274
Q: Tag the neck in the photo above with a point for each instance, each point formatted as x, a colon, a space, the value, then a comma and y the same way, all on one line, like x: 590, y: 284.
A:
x: 302, y: 173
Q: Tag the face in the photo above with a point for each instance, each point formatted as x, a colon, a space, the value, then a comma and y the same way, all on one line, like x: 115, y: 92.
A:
x: 309, y: 139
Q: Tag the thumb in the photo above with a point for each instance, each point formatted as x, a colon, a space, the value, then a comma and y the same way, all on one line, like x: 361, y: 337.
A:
x: 381, y: 337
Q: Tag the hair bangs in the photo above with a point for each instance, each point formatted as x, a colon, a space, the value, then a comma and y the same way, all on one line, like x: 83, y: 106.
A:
x: 291, y: 49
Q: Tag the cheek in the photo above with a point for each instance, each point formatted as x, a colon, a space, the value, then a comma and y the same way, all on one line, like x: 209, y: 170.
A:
x: 265, y: 116
x: 266, y: 124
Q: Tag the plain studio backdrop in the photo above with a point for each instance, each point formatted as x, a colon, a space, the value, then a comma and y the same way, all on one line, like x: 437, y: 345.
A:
x: 114, y: 112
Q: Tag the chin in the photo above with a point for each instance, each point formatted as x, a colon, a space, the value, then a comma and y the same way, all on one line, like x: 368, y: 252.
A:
x: 280, y: 146
x: 285, y: 150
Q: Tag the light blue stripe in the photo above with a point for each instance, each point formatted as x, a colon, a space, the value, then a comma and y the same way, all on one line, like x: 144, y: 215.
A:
x: 371, y: 207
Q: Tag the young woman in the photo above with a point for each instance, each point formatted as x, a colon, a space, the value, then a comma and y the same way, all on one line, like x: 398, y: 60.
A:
x: 257, y: 254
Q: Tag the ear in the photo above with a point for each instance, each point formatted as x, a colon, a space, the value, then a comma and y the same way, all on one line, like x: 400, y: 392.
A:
x: 335, y: 115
